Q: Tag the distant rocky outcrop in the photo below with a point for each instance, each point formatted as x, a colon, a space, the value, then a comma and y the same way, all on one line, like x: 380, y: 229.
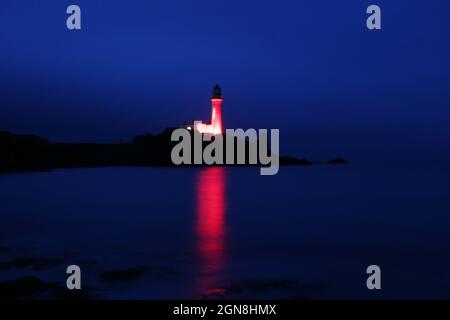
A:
x: 31, y: 287
x: 338, y: 160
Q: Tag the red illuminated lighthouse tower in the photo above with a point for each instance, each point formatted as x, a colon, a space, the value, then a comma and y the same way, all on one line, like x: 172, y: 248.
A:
x: 215, y: 126
x: 216, y: 111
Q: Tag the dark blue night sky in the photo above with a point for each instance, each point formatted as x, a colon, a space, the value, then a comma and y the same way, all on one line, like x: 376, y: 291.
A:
x: 310, y: 68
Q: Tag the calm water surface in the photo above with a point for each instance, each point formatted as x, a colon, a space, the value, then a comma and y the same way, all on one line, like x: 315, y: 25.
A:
x: 308, y: 232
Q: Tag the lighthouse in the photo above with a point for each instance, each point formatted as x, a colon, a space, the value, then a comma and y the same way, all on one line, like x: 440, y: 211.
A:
x: 216, y: 110
x: 215, y: 125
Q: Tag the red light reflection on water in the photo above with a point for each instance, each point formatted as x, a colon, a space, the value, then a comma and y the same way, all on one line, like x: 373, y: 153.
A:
x: 210, y: 226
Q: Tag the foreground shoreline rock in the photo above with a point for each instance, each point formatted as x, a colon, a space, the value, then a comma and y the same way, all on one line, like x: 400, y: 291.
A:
x: 23, y: 153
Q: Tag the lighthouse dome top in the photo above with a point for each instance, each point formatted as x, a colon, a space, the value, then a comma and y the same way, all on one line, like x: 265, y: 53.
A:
x: 217, y: 92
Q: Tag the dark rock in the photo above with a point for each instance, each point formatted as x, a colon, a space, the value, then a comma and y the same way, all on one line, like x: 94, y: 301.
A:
x: 337, y: 161
x: 30, y: 262
x: 23, y: 288
x: 62, y: 293
x: 123, y: 275
x: 263, y: 285
x: 35, y: 288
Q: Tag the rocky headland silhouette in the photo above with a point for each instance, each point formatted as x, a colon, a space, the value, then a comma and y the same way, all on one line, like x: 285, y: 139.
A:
x: 20, y: 153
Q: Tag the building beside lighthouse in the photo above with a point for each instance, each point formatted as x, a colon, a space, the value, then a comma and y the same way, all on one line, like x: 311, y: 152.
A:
x: 215, y: 125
